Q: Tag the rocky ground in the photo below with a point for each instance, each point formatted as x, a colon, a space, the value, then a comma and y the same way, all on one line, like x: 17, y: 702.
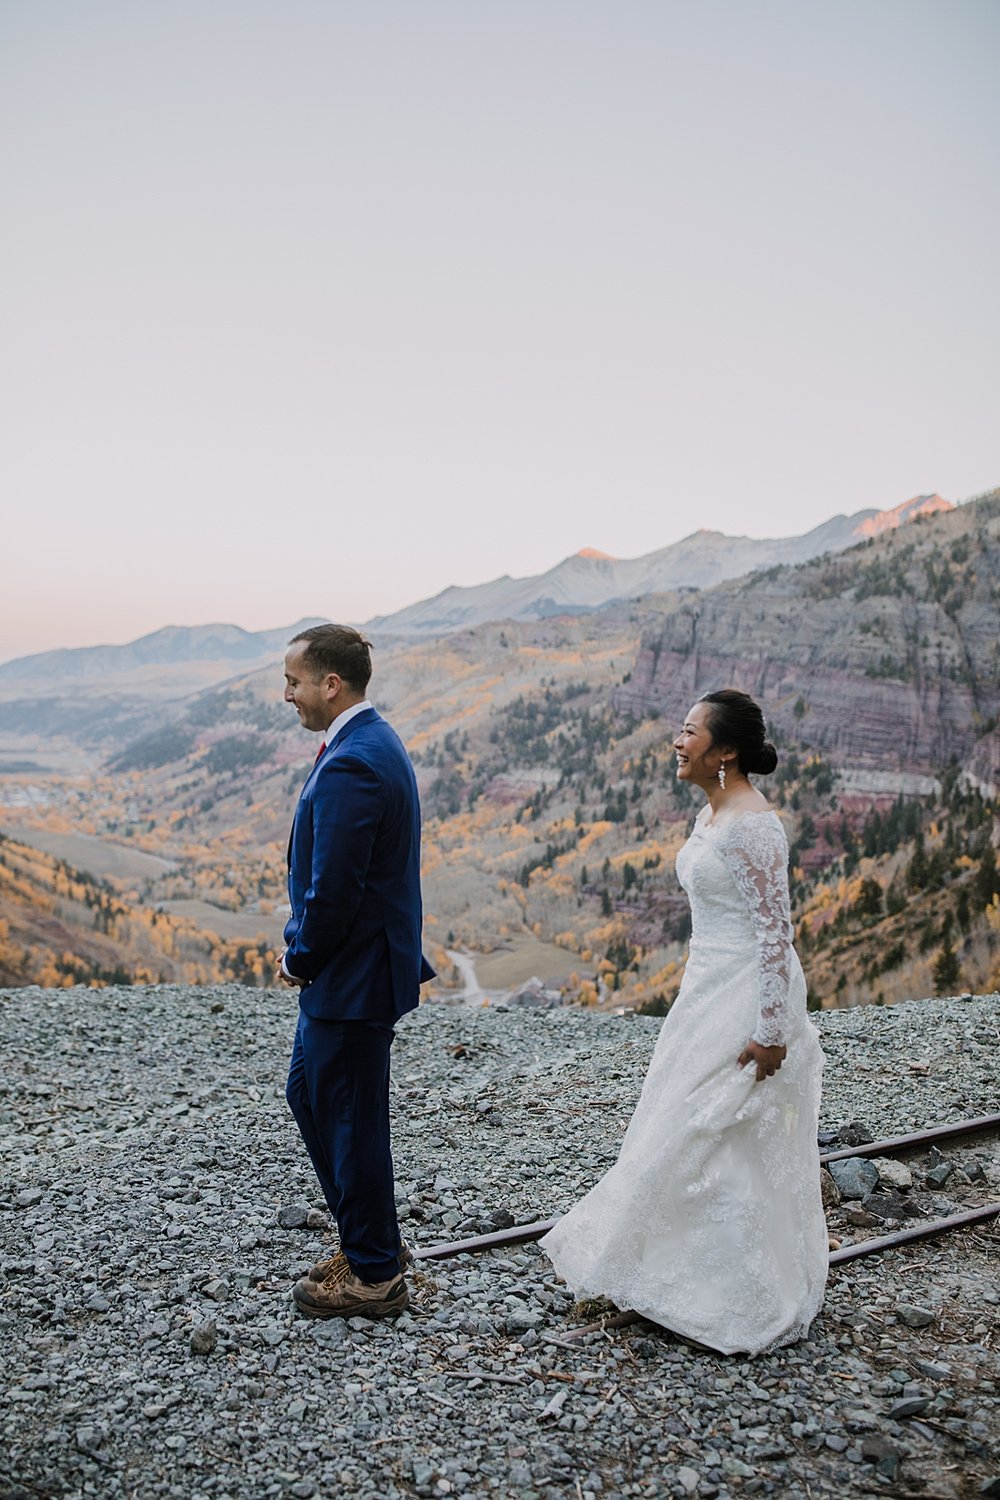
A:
x: 157, y: 1205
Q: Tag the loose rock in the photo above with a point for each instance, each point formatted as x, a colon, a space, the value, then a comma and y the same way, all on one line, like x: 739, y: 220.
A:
x: 914, y: 1317
x: 294, y: 1216
x: 147, y: 1210
x: 204, y: 1338
x: 911, y: 1407
x: 855, y: 1177
x: 892, y: 1173
x: 829, y: 1189
x: 883, y: 1454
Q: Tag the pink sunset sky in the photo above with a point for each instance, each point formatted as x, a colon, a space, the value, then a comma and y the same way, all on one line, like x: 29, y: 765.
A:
x: 316, y: 308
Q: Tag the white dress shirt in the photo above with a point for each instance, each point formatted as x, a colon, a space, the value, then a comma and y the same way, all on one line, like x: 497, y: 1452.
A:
x: 342, y: 720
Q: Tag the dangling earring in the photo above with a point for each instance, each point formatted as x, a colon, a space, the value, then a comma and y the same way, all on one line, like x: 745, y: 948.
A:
x: 722, y: 775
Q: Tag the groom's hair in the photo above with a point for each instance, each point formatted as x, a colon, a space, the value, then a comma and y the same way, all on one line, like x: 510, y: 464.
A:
x: 336, y: 648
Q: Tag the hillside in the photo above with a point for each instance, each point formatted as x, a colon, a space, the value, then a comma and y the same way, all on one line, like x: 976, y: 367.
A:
x: 214, y: 790
x: 60, y: 927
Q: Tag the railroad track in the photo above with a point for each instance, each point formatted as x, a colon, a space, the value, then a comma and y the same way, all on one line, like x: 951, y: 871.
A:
x: 899, y: 1145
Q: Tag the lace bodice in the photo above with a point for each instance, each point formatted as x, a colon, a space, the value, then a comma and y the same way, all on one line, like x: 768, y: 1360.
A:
x: 736, y: 878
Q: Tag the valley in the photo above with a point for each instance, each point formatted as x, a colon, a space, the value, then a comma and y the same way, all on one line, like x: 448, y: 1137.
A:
x: 551, y: 813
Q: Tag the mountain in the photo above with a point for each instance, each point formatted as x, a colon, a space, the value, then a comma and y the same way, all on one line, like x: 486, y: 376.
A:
x: 180, y: 657
x: 885, y: 656
x: 174, y: 646
x: 591, y: 579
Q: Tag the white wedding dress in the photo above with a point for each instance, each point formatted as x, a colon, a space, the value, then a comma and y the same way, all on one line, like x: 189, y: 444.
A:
x: 710, y: 1222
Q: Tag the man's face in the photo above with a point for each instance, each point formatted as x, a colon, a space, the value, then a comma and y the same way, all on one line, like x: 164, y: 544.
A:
x: 313, y: 697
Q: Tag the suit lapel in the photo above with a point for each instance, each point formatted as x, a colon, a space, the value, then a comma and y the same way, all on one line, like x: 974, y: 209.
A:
x: 370, y: 716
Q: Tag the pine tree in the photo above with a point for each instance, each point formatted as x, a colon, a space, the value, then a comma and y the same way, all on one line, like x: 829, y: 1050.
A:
x: 987, y: 879
x: 947, y: 970
x: 869, y: 899
x: 916, y: 872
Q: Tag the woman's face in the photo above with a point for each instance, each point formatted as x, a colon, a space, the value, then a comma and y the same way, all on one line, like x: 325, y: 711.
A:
x: 698, y: 760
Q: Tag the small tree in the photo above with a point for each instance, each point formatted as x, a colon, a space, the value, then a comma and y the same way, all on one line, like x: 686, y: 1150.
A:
x: 869, y: 899
x: 987, y: 879
x: 963, y: 910
x: 917, y: 869
x: 947, y: 970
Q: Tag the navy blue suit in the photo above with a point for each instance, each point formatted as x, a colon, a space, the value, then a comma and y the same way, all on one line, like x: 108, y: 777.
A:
x: 354, y: 938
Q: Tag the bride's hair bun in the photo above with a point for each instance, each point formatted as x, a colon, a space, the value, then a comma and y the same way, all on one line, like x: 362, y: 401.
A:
x: 736, y: 720
x: 764, y: 762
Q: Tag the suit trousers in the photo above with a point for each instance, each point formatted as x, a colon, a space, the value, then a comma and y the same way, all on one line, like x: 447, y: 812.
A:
x: 338, y: 1091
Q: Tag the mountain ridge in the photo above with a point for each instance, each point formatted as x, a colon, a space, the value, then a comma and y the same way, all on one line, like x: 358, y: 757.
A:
x: 170, y: 645
x: 590, y: 579
x: 586, y: 580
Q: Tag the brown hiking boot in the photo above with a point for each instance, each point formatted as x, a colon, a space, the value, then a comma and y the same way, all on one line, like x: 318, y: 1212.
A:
x: 341, y: 1294
x: 324, y: 1268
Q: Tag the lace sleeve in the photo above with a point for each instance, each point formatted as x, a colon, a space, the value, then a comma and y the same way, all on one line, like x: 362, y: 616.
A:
x: 756, y: 853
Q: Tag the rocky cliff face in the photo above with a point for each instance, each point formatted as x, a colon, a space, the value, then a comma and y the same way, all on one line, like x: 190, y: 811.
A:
x: 887, y: 655
x: 983, y: 765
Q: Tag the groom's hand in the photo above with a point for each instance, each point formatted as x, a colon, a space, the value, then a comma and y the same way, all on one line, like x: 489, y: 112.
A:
x: 282, y: 978
x: 768, y: 1059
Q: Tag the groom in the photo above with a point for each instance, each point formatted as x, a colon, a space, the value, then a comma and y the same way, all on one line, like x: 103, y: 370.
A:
x: 353, y: 951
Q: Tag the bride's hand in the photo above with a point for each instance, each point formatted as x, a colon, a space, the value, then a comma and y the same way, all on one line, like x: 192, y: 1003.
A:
x: 768, y: 1059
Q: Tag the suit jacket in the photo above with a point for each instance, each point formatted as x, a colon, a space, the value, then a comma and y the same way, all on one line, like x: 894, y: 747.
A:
x: 354, y: 879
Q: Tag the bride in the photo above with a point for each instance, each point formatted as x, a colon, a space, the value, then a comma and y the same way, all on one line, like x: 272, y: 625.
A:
x: 710, y: 1222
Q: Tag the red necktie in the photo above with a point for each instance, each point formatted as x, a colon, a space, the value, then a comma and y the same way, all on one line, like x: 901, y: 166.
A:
x: 319, y: 752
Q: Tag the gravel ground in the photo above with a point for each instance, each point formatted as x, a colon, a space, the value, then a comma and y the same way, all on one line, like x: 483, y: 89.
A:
x: 157, y: 1205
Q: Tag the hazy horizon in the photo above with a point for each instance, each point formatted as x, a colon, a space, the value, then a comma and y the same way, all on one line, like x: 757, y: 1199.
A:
x: 360, y: 622
x: 313, y: 310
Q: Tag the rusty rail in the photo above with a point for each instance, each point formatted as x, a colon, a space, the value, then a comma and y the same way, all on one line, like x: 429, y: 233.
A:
x: 927, y: 1231
x: 521, y: 1234
x: 526, y: 1234
x: 895, y: 1144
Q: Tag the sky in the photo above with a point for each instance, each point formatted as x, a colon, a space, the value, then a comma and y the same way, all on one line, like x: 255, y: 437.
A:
x: 317, y: 308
